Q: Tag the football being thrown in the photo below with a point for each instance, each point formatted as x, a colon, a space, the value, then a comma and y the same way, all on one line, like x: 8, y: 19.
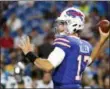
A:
x: 104, y: 25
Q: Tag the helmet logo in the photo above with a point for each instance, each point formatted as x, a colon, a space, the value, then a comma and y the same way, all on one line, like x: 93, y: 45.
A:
x: 74, y: 13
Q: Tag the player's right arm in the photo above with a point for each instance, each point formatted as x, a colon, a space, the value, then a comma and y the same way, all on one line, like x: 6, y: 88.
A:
x: 97, y: 48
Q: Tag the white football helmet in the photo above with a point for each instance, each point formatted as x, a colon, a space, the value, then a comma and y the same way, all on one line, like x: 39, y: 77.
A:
x: 74, y: 19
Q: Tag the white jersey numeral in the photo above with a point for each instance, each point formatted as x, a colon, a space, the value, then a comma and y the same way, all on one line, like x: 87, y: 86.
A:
x: 86, y: 58
x: 79, y: 67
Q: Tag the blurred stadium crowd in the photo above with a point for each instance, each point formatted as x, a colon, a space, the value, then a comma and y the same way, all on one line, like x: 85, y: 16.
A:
x: 35, y: 18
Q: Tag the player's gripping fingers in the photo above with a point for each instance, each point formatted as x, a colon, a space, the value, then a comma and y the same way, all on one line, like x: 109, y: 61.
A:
x: 103, y: 36
x: 102, y: 33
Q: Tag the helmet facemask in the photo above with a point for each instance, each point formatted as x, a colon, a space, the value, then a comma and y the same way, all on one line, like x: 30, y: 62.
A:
x: 74, y: 25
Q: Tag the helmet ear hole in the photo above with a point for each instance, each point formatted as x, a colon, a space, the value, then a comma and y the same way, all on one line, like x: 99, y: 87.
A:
x: 79, y: 25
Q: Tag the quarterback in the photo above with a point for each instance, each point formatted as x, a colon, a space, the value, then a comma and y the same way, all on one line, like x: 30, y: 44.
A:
x: 71, y: 54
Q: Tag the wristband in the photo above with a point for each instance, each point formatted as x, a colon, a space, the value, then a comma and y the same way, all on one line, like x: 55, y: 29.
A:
x: 31, y: 56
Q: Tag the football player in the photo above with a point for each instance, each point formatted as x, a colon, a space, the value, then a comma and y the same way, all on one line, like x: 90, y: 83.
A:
x: 71, y: 54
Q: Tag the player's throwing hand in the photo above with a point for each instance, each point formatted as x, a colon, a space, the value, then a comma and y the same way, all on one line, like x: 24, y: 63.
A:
x: 103, y: 35
x: 104, y: 29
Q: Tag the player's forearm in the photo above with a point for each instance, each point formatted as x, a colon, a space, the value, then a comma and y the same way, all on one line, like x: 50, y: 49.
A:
x: 43, y: 64
x: 96, y: 51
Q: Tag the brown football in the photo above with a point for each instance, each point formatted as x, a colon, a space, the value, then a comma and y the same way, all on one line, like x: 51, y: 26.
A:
x: 104, y: 25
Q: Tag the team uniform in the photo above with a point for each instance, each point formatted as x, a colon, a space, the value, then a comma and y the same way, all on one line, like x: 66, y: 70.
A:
x: 71, y: 55
x: 76, y: 57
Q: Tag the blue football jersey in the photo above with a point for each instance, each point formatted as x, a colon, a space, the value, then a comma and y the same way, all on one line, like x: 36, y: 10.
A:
x: 76, y: 60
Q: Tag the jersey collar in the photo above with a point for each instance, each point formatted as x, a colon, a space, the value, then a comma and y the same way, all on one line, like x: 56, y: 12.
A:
x: 75, y: 37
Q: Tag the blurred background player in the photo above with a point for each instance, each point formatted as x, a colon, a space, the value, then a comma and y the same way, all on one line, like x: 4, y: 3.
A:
x: 46, y: 82
x: 71, y: 54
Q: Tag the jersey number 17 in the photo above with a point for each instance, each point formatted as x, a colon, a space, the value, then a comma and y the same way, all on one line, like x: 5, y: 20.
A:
x: 79, y: 59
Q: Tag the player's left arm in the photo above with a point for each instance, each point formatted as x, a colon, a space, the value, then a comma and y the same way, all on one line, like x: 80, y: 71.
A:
x: 43, y: 64
x: 54, y: 59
